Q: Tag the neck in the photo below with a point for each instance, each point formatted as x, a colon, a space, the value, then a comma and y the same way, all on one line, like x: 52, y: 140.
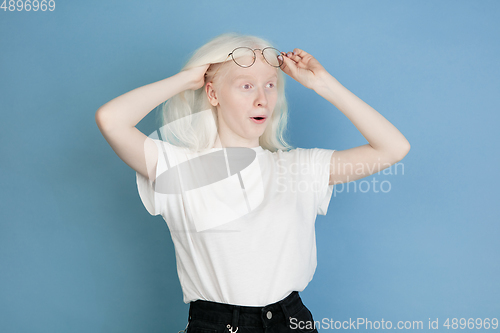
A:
x: 224, y: 143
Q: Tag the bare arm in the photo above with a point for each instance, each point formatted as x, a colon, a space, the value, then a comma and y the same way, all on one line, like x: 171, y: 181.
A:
x: 117, y: 118
x: 386, y: 143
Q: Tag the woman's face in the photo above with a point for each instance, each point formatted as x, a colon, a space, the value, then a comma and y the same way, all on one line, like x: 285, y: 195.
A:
x: 243, y: 94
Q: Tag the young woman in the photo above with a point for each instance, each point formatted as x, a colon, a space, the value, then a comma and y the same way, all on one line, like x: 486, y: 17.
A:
x: 239, y: 201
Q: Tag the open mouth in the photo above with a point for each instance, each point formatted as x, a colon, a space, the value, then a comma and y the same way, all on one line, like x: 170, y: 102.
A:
x: 258, y: 119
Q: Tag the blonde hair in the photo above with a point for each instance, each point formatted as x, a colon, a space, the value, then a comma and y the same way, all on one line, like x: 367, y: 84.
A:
x: 190, y: 128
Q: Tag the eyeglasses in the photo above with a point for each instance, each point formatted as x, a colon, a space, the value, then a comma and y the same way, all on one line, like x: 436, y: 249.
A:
x: 245, y: 57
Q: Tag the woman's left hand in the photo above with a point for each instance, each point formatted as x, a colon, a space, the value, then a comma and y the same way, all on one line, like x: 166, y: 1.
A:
x: 303, y: 68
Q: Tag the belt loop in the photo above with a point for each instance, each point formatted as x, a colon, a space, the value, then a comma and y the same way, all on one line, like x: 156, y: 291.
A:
x: 285, y: 310
x: 236, y: 313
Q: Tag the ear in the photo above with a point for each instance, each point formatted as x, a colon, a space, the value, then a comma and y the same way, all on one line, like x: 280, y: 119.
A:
x: 211, y: 94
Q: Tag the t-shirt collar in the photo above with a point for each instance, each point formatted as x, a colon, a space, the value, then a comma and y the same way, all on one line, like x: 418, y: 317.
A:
x: 257, y: 149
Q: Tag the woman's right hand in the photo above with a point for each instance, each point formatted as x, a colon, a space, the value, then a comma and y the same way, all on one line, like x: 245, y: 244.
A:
x: 195, y: 77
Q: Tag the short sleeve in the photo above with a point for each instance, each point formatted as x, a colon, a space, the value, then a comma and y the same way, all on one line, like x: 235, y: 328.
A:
x: 322, y: 159
x: 149, y: 197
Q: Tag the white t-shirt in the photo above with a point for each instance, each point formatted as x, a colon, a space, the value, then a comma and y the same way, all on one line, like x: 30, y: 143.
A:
x: 248, y: 239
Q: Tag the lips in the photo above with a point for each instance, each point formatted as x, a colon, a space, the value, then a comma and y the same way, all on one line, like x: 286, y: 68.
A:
x: 259, y: 117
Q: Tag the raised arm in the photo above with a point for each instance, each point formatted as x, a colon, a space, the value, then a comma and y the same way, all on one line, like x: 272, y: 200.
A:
x: 117, y: 118
x: 386, y: 145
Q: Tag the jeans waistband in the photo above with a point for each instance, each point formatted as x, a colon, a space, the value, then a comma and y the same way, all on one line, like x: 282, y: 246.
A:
x: 234, y: 315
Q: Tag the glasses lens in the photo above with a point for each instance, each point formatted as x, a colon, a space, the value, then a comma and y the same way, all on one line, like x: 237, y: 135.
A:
x: 271, y: 55
x: 243, y: 56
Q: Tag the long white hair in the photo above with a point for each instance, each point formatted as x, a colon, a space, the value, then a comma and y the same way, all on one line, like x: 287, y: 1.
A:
x: 182, y: 122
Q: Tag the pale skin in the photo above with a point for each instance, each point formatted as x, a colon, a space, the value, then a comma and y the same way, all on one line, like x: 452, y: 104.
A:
x: 239, y: 98
x: 244, y: 93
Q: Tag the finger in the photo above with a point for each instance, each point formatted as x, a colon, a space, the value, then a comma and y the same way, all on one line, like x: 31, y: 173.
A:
x: 284, y: 67
x: 289, y: 54
x: 301, y: 53
x: 292, y: 56
x: 306, y: 57
x: 204, y: 68
x: 299, y: 62
x: 298, y: 58
x: 289, y: 66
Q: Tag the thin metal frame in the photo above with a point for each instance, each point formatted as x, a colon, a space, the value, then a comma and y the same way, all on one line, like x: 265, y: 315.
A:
x: 254, y: 57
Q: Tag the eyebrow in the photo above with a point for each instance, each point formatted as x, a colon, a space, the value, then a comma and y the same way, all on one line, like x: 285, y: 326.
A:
x: 243, y: 76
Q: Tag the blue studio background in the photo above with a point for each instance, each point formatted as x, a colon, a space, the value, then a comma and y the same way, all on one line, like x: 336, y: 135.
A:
x: 80, y: 253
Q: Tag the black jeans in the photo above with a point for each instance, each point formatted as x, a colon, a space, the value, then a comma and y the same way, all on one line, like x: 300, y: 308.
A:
x: 289, y: 315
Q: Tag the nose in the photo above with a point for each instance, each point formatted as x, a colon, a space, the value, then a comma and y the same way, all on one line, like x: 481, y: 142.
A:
x: 261, y: 98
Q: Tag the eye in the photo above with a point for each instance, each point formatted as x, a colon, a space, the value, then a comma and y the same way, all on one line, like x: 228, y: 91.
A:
x: 247, y: 86
x: 271, y: 85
